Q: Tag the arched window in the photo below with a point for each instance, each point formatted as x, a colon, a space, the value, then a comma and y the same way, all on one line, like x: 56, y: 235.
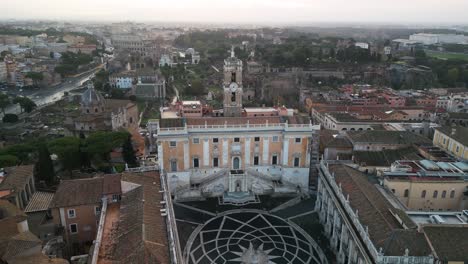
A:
x: 406, y: 193
x: 452, y: 194
x: 444, y: 194
x: 423, y: 194
x: 436, y: 193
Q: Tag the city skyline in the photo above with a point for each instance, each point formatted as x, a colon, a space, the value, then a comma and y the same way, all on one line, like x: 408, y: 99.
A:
x: 244, y: 11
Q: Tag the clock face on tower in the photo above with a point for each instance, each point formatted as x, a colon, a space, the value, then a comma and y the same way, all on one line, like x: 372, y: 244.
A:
x: 233, y: 87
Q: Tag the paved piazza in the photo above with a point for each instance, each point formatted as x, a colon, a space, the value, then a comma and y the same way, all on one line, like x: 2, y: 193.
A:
x: 251, y: 236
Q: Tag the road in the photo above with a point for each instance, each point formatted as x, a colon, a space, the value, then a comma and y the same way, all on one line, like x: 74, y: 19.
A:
x: 52, y: 94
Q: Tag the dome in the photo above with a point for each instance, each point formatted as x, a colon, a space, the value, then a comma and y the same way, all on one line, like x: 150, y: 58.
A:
x: 91, y: 97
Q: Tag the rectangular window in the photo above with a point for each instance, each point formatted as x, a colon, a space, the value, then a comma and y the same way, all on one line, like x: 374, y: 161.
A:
x: 274, y: 160
x: 256, y: 160
x: 215, y: 140
x: 97, y: 210
x: 296, y: 162
x: 256, y: 139
x: 196, y: 141
x: 297, y: 140
x: 215, y: 162
x: 275, y: 138
x: 173, y: 165
x: 172, y: 144
x: 73, y: 228
x: 236, y: 139
x: 71, y: 213
x: 233, y: 97
x: 115, y: 197
x: 196, y: 163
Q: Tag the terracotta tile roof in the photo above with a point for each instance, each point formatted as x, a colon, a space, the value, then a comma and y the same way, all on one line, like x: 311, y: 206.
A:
x: 10, y: 215
x: 171, y: 122
x: 375, y: 212
x: 114, y: 104
x: 17, y: 177
x: 449, y: 242
x: 111, y: 184
x: 86, y: 191
x: 40, y: 201
x: 386, y: 137
x: 8, y: 209
x: 38, y: 258
x: 297, y: 119
x: 155, y: 233
x: 78, y: 192
x: 385, y: 157
x: 140, y: 235
x: 20, y: 243
x: 233, y: 120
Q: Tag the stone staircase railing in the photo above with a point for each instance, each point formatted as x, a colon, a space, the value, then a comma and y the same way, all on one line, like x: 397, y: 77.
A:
x: 206, y: 180
x: 266, y: 177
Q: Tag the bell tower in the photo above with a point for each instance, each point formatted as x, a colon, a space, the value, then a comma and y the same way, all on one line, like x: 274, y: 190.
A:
x: 232, y: 86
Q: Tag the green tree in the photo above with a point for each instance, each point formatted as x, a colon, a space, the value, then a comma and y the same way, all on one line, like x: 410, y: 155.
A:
x: 8, y: 161
x: 4, y: 102
x: 128, y: 153
x: 453, y: 75
x: 26, y: 104
x: 10, y: 118
x: 67, y: 150
x: 35, y: 76
x: 44, y: 166
x: 195, y: 88
x: 99, y: 145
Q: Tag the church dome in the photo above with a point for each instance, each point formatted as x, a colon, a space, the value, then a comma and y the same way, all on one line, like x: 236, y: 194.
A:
x: 91, y: 97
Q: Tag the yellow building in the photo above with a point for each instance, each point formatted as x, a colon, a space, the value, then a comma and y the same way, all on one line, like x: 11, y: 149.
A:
x: 453, y: 139
x: 233, y: 153
x: 429, y: 186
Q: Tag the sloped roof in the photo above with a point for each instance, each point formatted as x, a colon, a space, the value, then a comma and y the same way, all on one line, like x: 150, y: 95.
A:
x: 17, y: 177
x: 111, y: 184
x: 375, y: 212
x: 155, y: 235
x: 78, y: 192
x: 140, y: 236
x: 85, y: 191
x: 385, y: 157
x: 91, y: 97
x: 460, y: 133
x: 40, y: 201
x: 20, y: 243
x: 386, y: 137
x: 38, y: 258
x: 450, y: 242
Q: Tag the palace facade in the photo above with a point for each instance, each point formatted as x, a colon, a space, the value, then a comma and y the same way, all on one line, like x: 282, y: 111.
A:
x: 229, y: 153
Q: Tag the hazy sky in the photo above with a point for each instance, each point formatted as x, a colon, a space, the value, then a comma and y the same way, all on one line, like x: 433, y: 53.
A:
x: 393, y: 11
